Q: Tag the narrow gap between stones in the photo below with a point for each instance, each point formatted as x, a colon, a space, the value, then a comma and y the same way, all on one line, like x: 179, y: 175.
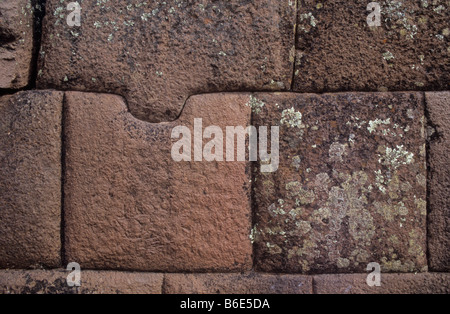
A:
x: 39, y: 14
x: 295, y: 44
x: 313, y: 285
x: 63, y: 180
x: 253, y: 206
x: 429, y: 138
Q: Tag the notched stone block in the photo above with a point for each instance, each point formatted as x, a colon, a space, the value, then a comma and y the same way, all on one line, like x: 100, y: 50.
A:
x: 128, y: 205
x: 351, y: 186
x: 30, y: 179
x: 16, y: 42
x: 158, y: 53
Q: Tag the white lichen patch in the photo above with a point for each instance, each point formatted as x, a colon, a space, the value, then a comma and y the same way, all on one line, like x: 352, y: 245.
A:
x: 292, y: 118
x: 255, y: 104
x: 396, y: 157
x: 374, y: 124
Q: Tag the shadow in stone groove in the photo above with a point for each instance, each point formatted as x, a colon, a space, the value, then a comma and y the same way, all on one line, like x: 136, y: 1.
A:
x: 39, y: 14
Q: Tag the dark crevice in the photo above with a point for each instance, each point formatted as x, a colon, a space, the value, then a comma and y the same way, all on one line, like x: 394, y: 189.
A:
x: 313, y: 284
x: 430, y: 137
x: 39, y: 14
x: 295, y: 44
x: 253, y: 204
x: 63, y: 180
x: 10, y: 92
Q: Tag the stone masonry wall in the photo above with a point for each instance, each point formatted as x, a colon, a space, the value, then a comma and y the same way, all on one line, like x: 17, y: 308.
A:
x: 90, y: 118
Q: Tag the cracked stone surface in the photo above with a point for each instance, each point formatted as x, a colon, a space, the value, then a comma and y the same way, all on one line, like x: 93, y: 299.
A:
x: 92, y: 282
x: 129, y: 206
x: 157, y: 54
x: 30, y: 179
x: 337, y: 50
x: 438, y: 105
x: 16, y: 42
x: 351, y: 186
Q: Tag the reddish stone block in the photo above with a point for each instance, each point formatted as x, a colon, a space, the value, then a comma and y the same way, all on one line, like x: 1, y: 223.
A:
x: 338, y: 51
x: 250, y: 283
x: 16, y: 44
x: 30, y: 179
x: 92, y: 282
x: 426, y: 283
x: 156, y: 54
x: 129, y: 206
x: 351, y: 184
x: 438, y: 105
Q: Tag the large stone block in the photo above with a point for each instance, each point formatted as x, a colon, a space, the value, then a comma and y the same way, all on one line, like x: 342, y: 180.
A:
x: 338, y: 51
x: 438, y: 105
x: 351, y: 185
x: 16, y: 42
x: 30, y: 179
x: 156, y: 54
x: 128, y: 205
x: 426, y: 283
x: 92, y: 282
x: 249, y: 283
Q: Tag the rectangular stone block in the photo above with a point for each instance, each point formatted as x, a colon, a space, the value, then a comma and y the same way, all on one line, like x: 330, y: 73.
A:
x: 16, y: 42
x: 248, y: 283
x: 92, y: 282
x: 130, y: 206
x: 158, y: 53
x: 338, y: 51
x: 351, y: 184
x: 438, y: 106
x: 425, y: 283
x: 30, y: 179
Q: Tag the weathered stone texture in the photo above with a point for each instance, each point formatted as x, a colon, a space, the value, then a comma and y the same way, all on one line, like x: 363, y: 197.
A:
x: 426, y: 283
x: 157, y: 54
x: 237, y: 284
x: 128, y: 205
x: 30, y: 179
x: 438, y: 105
x: 16, y: 42
x: 92, y: 282
x: 351, y: 186
x: 338, y: 51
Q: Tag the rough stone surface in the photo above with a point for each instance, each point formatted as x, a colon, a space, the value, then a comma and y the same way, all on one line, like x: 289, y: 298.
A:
x: 30, y: 179
x: 129, y: 206
x: 157, y: 54
x: 351, y: 186
x: 426, y: 283
x: 92, y: 282
x: 338, y: 51
x: 237, y: 284
x: 16, y: 42
x: 438, y: 105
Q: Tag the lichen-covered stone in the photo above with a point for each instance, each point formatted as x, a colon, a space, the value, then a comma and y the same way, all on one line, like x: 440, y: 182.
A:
x: 129, y: 205
x: 30, y: 179
x: 425, y: 283
x: 16, y: 42
x: 92, y: 282
x: 438, y: 105
x: 247, y: 283
x: 351, y: 186
x: 158, y: 53
x: 338, y: 51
